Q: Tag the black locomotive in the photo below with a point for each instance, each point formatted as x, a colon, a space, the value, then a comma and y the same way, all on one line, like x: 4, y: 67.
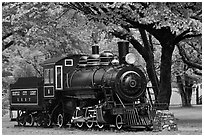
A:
x: 96, y: 90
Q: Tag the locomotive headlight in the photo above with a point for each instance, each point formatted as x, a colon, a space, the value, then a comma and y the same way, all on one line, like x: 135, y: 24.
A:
x: 130, y: 58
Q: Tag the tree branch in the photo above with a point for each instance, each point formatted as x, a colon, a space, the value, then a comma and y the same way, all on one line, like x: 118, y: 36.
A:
x: 22, y: 32
x: 7, y: 35
x: 5, y: 46
x: 197, y: 72
x: 186, y: 59
x: 29, y: 62
x: 185, y: 35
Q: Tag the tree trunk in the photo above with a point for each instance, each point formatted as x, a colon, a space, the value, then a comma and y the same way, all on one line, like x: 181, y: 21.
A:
x: 149, y: 59
x: 165, y: 75
x: 188, y: 91
x: 153, y: 77
x: 181, y: 90
x: 197, y: 96
x: 185, y: 91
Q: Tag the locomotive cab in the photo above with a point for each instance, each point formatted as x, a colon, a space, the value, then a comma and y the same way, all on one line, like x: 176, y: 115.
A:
x: 55, y: 70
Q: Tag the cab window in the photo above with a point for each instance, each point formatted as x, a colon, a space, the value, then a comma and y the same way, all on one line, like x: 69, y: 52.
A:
x: 51, y: 76
x: 48, y: 76
x: 68, y: 62
x: 58, y: 77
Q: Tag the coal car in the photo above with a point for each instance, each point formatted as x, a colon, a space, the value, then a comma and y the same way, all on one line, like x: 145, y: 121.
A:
x: 96, y: 90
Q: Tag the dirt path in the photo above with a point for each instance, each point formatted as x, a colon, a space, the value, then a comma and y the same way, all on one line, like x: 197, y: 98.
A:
x: 189, y: 121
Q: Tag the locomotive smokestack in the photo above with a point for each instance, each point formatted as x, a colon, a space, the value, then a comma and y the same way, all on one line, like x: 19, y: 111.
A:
x: 123, y: 50
x: 95, y: 49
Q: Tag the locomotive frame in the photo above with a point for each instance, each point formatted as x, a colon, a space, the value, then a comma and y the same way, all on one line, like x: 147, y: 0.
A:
x: 96, y: 90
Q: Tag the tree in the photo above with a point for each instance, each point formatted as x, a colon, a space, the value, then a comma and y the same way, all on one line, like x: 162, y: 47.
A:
x: 169, y: 23
x: 186, y: 66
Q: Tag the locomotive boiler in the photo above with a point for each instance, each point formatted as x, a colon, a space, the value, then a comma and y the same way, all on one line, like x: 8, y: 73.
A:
x: 100, y: 75
x: 100, y: 89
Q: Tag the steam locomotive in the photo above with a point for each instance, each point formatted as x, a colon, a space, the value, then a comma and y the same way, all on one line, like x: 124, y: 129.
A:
x: 85, y: 91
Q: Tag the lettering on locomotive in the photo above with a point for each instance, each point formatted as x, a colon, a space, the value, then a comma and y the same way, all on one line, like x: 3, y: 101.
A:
x: 48, y: 91
x: 24, y: 97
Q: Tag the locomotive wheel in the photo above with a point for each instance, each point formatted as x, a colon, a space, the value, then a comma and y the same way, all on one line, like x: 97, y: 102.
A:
x: 39, y: 124
x: 30, y: 120
x: 60, y: 120
x: 100, y: 125
x: 119, y: 122
x: 39, y: 120
x: 79, y: 124
x: 77, y: 114
x: 89, y: 124
x: 21, y: 119
x: 48, y: 121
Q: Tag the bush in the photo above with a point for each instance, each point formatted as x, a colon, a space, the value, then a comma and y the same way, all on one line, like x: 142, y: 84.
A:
x: 4, y: 112
x: 5, y: 102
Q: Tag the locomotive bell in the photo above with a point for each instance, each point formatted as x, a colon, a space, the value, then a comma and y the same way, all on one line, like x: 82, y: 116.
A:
x: 106, y: 57
x: 123, y: 50
x: 83, y: 61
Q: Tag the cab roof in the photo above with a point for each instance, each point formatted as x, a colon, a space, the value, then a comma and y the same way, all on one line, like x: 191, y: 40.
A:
x: 54, y: 60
